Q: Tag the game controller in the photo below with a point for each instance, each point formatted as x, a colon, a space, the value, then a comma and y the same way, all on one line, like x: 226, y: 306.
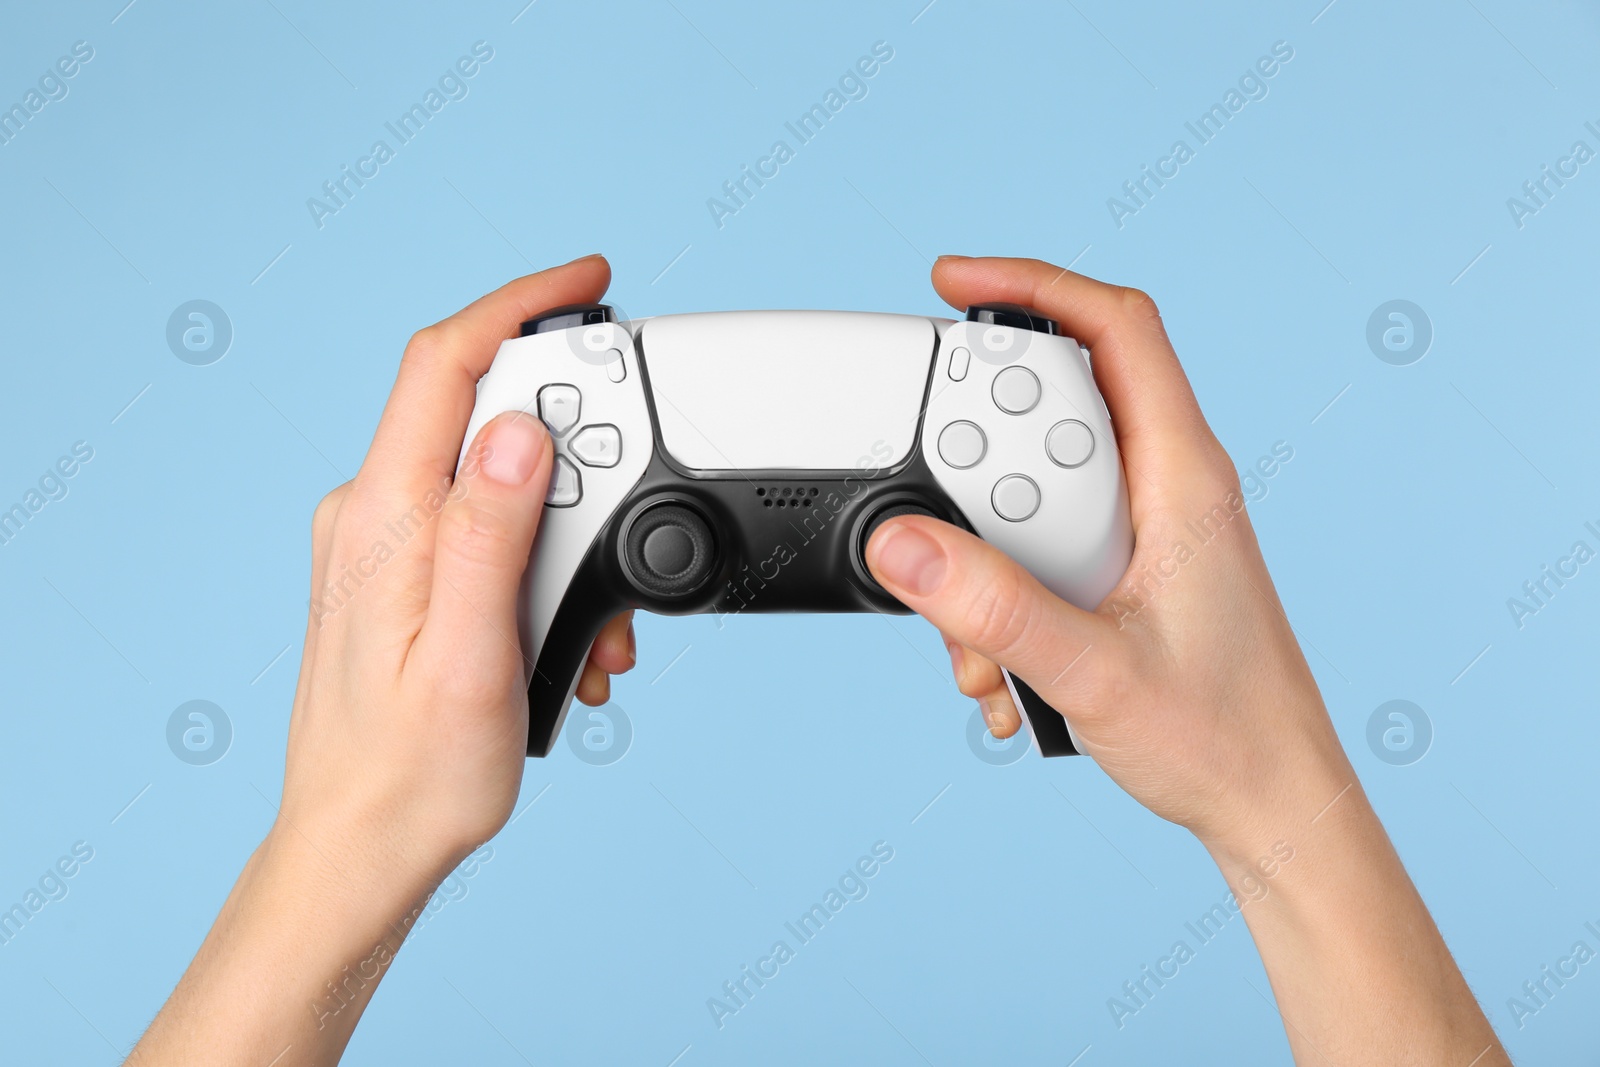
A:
x: 739, y: 461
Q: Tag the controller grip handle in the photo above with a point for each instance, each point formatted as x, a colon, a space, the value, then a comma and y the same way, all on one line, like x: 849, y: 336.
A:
x: 1048, y: 726
x: 560, y: 660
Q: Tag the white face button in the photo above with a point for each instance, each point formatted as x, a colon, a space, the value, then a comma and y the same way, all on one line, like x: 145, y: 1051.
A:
x: 1015, y: 497
x: 566, y: 486
x: 616, y: 370
x: 962, y: 445
x: 1069, y: 443
x: 559, y: 406
x: 960, y: 360
x: 597, y: 446
x: 1016, y: 390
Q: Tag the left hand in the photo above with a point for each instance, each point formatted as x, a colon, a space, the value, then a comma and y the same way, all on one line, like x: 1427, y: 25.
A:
x: 409, y: 732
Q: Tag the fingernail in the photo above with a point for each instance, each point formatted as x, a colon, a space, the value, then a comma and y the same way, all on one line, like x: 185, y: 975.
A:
x: 633, y: 645
x: 591, y: 255
x: 513, y: 445
x: 957, y: 657
x: 911, y: 559
x: 943, y: 258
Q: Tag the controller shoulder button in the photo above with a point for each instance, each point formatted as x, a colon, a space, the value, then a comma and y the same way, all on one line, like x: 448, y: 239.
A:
x: 1013, y: 315
x: 568, y: 316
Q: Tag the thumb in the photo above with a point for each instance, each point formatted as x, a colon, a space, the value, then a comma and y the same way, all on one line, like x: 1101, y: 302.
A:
x: 484, y: 537
x: 983, y: 599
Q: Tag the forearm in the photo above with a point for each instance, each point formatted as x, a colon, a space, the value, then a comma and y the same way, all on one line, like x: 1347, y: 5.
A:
x: 1347, y: 942
x: 291, y: 961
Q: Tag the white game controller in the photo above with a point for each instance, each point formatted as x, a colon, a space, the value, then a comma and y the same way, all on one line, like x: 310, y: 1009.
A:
x: 739, y: 461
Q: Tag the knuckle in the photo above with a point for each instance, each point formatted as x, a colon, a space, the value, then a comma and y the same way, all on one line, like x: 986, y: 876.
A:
x: 326, y: 511
x: 1139, y: 306
x: 477, y: 535
x: 429, y: 345
x: 1217, y: 471
x: 360, y: 507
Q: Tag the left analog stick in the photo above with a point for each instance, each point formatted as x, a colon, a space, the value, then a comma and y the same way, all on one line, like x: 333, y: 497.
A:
x: 670, y: 551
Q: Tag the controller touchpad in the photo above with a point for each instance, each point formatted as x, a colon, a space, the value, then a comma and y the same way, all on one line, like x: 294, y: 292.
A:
x: 788, y: 390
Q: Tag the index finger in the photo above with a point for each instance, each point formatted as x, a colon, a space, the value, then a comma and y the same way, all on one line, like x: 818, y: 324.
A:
x: 420, y: 434
x: 1157, y: 418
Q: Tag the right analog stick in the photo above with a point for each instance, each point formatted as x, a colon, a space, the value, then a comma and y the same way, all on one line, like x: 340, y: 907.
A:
x: 670, y: 551
x: 893, y: 511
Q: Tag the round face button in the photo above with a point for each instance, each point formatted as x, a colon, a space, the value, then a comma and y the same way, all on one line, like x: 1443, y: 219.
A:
x: 962, y: 445
x: 1016, y: 390
x: 1069, y: 443
x: 1015, y: 497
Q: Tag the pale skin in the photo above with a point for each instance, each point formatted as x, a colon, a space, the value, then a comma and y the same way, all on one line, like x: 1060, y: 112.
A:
x: 408, y: 737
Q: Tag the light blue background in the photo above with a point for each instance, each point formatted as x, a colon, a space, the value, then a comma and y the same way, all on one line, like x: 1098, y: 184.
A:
x: 776, y: 751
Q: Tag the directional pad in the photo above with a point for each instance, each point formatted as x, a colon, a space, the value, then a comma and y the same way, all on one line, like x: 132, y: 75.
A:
x: 566, y: 484
x: 559, y: 407
x: 597, y: 446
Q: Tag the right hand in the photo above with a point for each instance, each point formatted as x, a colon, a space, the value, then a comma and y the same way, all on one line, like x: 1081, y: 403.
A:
x: 1187, y: 684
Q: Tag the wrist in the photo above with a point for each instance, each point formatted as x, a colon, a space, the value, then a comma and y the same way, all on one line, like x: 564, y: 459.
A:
x: 1312, y: 857
x: 1316, y: 800
x: 381, y: 837
x: 345, y: 873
